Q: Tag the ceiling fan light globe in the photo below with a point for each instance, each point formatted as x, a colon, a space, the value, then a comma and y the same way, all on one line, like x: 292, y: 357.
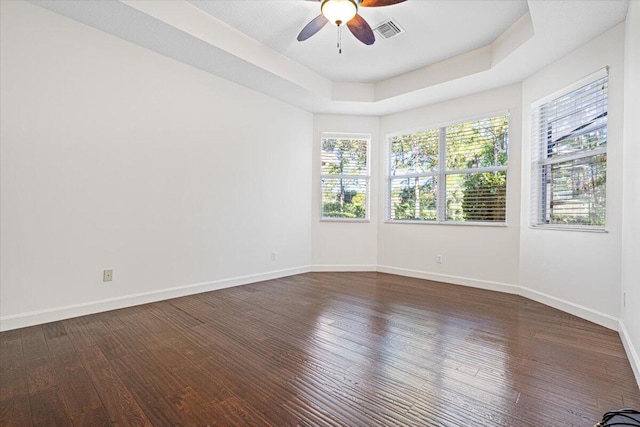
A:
x: 339, y: 12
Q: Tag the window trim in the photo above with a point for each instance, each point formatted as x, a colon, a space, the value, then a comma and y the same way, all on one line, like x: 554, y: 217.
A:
x: 441, y: 197
x: 367, y: 177
x: 558, y: 227
x: 535, y: 196
x: 590, y: 78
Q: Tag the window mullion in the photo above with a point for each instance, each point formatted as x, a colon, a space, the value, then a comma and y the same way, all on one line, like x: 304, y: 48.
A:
x: 475, y: 170
x: 388, y: 196
x: 575, y: 156
x: 415, y: 175
x: 343, y: 176
x: 442, y: 176
x: 545, y: 179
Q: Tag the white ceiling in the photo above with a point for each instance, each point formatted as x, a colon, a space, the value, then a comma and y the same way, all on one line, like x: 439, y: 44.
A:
x: 435, y: 30
x: 451, y: 48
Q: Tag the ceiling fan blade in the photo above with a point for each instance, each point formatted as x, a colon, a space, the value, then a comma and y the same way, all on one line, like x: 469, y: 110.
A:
x: 378, y: 3
x: 361, y: 29
x: 312, y: 27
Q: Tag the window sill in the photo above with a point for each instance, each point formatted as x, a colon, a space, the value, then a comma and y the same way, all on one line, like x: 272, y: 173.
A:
x: 358, y: 221
x: 585, y: 229
x: 453, y: 223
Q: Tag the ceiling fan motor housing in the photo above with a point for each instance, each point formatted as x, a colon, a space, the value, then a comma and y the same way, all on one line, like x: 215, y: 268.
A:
x: 339, y: 12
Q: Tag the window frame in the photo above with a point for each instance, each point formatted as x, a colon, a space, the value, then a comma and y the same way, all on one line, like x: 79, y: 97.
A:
x: 367, y: 177
x: 538, y: 195
x: 439, y: 174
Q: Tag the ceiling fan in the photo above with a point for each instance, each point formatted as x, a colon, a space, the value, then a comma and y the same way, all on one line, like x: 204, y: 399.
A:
x: 339, y: 12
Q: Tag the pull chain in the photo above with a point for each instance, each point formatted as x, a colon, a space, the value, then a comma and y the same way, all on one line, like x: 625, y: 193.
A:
x: 340, y: 39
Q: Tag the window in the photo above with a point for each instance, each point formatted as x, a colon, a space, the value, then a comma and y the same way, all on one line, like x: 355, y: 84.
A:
x: 456, y: 173
x: 345, y: 176
x: 569, y: 164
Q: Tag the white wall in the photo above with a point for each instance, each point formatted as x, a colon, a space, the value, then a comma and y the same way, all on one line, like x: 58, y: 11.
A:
x: 631, y: 188
x: 578, y: 271
x: 116, y: 157
x: 484, y: 256
x: 342, y: 246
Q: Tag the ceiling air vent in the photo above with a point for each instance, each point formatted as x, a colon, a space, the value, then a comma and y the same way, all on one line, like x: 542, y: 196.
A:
x: 388, y: 29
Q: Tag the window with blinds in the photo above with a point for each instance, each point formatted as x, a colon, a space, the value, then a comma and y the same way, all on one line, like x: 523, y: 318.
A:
x: 345, y: 176
x: 569, y: 149
x: 456, y: 173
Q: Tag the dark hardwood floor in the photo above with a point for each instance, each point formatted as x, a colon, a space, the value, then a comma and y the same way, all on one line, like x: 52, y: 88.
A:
x: 318, y: 349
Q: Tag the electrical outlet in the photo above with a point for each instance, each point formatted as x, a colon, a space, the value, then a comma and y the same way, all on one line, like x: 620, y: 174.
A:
x: 439, y: 259
x: 274, y: 255
x: 107, y: 275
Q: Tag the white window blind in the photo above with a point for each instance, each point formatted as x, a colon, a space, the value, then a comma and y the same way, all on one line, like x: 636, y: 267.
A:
x: 456, y: 173
x: 345, y: 176
x: 569, y: 157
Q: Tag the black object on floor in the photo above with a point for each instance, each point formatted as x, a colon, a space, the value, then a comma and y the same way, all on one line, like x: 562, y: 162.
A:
x: 621, y: 417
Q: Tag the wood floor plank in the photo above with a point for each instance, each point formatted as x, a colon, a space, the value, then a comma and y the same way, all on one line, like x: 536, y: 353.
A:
x: 11, y: 355
x: 54, y: 330
x: 41, y: 374
x: 120, y: 405
x: 319, y: 349
x: 157, y: 377
x: 89, y: 331
x: 12, y: 335
x: 15, y: 407
x: 149, y: 397
x: 48, y: 408
x: 235, y: 412
x: 245, y: 383
x: 179, y: 319
x: 155, y: 372
x: 74, y: 383
x: 196, y: 410
x: 96, y: 417
x: 205, y: 383
x: 34, y: 345
x: 15, y: 411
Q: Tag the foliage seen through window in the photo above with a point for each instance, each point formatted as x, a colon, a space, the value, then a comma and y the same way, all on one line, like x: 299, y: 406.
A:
x: 455, y: 173
x: 345, y: 177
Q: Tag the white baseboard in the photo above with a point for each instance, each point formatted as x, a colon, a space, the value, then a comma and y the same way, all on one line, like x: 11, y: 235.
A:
x: 341, y: 267
x: 578, y: 310
x: 594, y: 316
x: 66, y: 312
x: 456, y: 280
x: 632, y: 354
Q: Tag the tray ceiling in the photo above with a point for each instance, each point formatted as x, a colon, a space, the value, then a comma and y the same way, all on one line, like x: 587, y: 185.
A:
x: 435, y: 30
x: 450, y: 48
